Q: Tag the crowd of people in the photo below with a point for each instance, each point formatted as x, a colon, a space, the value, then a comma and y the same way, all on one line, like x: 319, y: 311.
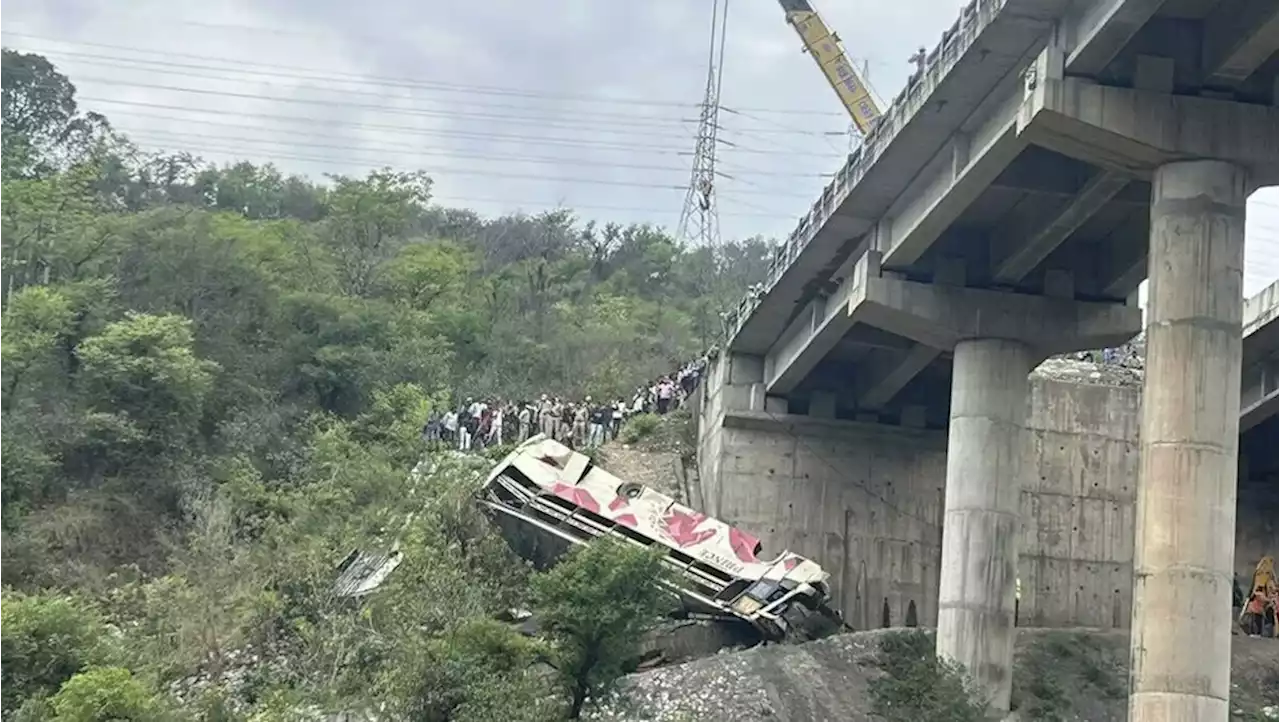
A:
x: 1130, y: 355
x: 480, y: 423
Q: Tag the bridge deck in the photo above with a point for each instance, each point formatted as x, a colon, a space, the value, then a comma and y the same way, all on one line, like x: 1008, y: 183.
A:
x: 972, y: 180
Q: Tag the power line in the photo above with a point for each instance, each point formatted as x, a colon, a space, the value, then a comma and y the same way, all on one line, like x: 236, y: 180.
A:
x: 174, y: 136
x: 179, y: 137
x: 441, y: 200
x: 400, y: 129
x: 440, y: 86
x: 781, y: 127
x: 414, y: 112
x: 656, y: 121
x: 410, y: 130
x: 274, y: 155
x: 577, y: 122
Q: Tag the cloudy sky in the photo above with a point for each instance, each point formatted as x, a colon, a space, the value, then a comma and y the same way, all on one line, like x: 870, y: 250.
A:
x: 509, y: 104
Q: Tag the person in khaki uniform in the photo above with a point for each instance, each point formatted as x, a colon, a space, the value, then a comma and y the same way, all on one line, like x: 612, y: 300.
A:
x: 580, y: 424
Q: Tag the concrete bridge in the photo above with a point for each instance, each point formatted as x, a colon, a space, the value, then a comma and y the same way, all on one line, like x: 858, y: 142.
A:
x: 1049, y: 158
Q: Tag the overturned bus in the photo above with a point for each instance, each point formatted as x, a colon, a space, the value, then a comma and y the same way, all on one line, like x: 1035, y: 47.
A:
x: 546, y: 497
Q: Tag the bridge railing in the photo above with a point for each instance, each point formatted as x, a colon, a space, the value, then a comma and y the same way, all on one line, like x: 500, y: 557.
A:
x: 973, y: 18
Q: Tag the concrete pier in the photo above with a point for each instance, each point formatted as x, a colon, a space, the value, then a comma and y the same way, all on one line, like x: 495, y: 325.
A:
x: 985, y: 447
x: 1186, y: 504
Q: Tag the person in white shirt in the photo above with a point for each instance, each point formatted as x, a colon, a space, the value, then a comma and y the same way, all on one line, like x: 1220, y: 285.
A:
x: 495, y: 427
x: 619, y: 411
x: 450, y: 424
x: 664, y: 392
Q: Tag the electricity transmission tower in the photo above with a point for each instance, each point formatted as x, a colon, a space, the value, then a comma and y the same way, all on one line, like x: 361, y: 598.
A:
x: 699, y: 219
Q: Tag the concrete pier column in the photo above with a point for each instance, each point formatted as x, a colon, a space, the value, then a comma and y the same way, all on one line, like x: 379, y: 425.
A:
x: 985, y: 447
x: 1180, y: 645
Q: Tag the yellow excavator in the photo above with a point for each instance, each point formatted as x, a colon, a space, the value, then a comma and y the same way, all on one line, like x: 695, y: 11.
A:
x: 825, y: 49
x: 1264, y: 575
x: 1258, y: 609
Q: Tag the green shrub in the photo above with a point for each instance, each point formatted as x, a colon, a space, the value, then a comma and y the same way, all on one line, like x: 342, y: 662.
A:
x: 498, y: 452
x: 44, y: 641
x: 916, y: 685
x: 639, y: 427
x: 479, y: 671
x: 104, y: 694
x: 1058, y: 664
x: 595, y: 607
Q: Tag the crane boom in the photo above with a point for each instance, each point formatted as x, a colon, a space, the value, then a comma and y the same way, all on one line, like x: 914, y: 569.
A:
x: 824, y: 47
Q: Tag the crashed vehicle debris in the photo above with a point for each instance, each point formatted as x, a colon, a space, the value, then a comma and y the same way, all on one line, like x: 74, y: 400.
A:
x: 545, y: 497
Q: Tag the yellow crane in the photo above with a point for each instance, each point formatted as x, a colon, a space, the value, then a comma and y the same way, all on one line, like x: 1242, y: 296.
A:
x: 825, y: 49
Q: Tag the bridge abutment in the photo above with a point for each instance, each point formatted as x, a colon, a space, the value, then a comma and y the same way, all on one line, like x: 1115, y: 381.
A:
x: 863, y: 499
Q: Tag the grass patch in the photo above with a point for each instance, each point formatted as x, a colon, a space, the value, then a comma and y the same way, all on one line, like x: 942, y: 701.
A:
x: 1061, y: 667
x: 1253, y: 679
x: 639, y: 428
x: 498, y: 452
x: 916, y: 685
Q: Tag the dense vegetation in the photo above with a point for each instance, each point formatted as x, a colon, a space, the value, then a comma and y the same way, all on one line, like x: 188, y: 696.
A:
x: 214, y: 379
x: 915, y: 685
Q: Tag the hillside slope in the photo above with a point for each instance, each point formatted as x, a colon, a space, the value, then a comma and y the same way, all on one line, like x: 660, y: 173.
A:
x: 1061, y: 675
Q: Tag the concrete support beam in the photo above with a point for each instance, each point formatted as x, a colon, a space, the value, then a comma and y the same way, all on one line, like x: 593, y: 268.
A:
x: 1189, y: 438
x: 941, y: 316
x: 1238, y: 37
x: 937, y: 316
x: 743, y: 387
x: 913, y: 236
x: 815, y: 332
x: 1262, y: 309
x: 1260, y: 394
x: 1121, y: 263
x: 1135, y: 131
x: 886, y: 383
x: 1023, y: 251
x: 1100, y: 29
x: 1128, y: 278
x: 985, y: 448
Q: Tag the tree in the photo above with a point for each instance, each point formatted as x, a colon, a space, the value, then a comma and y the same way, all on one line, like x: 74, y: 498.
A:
x: 39, y: 104
x: 141, y: 391
x: 44, y: 641
x: 480, y: 671
x: 104, y: 694
x: 216, y: 381
x: 36, y: 322
x: 423, y: 274
x: 368, y: 220
x: 596, y: 605
x: 143, y: 369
